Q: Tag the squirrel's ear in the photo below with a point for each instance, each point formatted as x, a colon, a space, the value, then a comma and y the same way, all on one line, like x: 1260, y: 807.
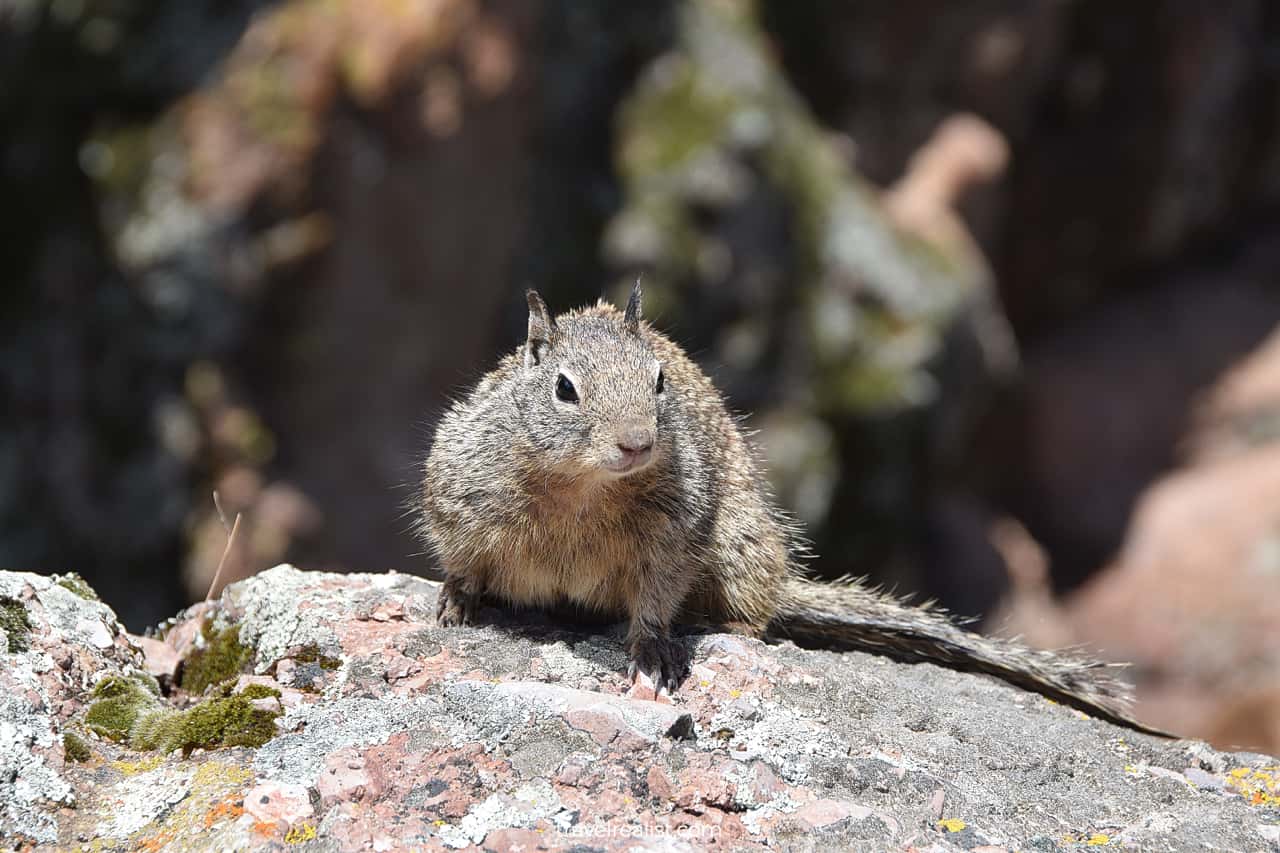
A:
x: 542, y: 329
x: 631, y: 318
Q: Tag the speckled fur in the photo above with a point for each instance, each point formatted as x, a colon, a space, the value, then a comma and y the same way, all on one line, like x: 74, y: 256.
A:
x: 517, y: 505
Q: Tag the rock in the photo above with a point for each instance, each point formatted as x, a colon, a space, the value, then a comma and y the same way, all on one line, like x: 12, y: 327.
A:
x: 630, y: 722
x: 521, y: 731
x: 56, y: 644
x: 160, y: 659
x: 278, y: 802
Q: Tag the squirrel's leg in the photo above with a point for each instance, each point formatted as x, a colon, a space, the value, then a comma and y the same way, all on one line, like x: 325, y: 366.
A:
x: 649, y: 643
x: 459, y: 597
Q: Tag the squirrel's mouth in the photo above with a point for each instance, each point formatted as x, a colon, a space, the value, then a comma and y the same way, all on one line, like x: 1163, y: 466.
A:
x: 623, y: 462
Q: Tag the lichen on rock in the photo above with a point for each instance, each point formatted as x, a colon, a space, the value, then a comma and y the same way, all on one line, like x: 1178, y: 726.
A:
x: 525, y: 731
x: 55, y: 643
x: 77, y: 585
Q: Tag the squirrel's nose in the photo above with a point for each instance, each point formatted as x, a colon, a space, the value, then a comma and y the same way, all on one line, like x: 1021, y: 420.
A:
x: 634, y: 441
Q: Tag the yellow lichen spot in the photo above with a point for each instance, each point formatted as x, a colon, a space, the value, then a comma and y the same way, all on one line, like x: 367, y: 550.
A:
x: 704, y: 683
x: 952, y: 824
x: 1098, y: 840
x: 133, y: 768
x: 216, y: 773
x: 301, y: 833
x: 734, y: 694
x: 1130, y: 769
x: 437, y: 822
x: 1258, y: 787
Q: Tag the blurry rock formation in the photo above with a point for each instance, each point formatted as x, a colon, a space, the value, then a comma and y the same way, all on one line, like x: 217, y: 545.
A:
x: 863, y: 348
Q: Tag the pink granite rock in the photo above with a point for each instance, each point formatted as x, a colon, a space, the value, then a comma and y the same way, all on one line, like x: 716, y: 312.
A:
x: 278, y: 802
x: 523, y: 732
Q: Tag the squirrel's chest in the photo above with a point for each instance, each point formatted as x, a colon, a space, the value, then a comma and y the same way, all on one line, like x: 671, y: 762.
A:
x: 587, y: 554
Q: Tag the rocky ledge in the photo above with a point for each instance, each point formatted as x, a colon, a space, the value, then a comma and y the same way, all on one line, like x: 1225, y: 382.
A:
x: 329, y: 712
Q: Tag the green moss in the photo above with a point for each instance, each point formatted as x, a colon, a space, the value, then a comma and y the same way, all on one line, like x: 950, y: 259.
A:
x: 15, y: 623
x: 222, y: 657
x: 259, y: 691
x: 128, y: 709
x: 121, y: 700
x: 214, y: 723
x: 74, y: 747
x: 76, y: 584
x: 111, y: 718
x: 312, y: 664
x: 125, y: 685
x: 311, y: 654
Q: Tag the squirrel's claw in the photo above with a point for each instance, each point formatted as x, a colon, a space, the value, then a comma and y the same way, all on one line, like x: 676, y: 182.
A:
x: 661, y: 659
x: 454, y: 605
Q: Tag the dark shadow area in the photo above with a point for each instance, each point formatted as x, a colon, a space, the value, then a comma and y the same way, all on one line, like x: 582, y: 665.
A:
x: 88, y: 358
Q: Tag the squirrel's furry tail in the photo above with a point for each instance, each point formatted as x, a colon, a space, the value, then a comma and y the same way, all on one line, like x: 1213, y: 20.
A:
x: 847, y: 615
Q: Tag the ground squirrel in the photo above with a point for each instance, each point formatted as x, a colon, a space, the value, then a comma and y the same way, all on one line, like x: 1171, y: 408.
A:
x: 599, y: 466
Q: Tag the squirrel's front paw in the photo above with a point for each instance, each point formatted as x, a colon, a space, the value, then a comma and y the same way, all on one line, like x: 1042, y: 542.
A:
x: 660, y: 658
x: 454, y: 605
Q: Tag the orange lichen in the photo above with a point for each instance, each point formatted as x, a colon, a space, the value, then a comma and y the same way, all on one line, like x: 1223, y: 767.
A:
x: 265, y: 827
x: 157, y: 842
x: 228, y: 809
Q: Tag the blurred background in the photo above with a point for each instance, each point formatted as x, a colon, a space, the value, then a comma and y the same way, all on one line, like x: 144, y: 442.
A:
x: 996, y: 280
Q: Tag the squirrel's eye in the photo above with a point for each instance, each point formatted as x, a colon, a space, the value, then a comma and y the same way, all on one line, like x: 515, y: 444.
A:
x: 661, y: 382
x: 565, y: 392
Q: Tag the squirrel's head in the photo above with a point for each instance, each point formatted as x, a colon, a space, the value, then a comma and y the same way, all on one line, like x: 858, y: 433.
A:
x: 592, y: 391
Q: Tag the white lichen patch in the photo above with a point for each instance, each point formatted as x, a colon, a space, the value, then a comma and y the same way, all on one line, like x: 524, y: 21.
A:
x: 523, y: 807
x: 142, y: 799
x: 272, y: 620
x: 29, y: 787
x: 569, y: 667
x: 315, y: 731
x: 67, y: 616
